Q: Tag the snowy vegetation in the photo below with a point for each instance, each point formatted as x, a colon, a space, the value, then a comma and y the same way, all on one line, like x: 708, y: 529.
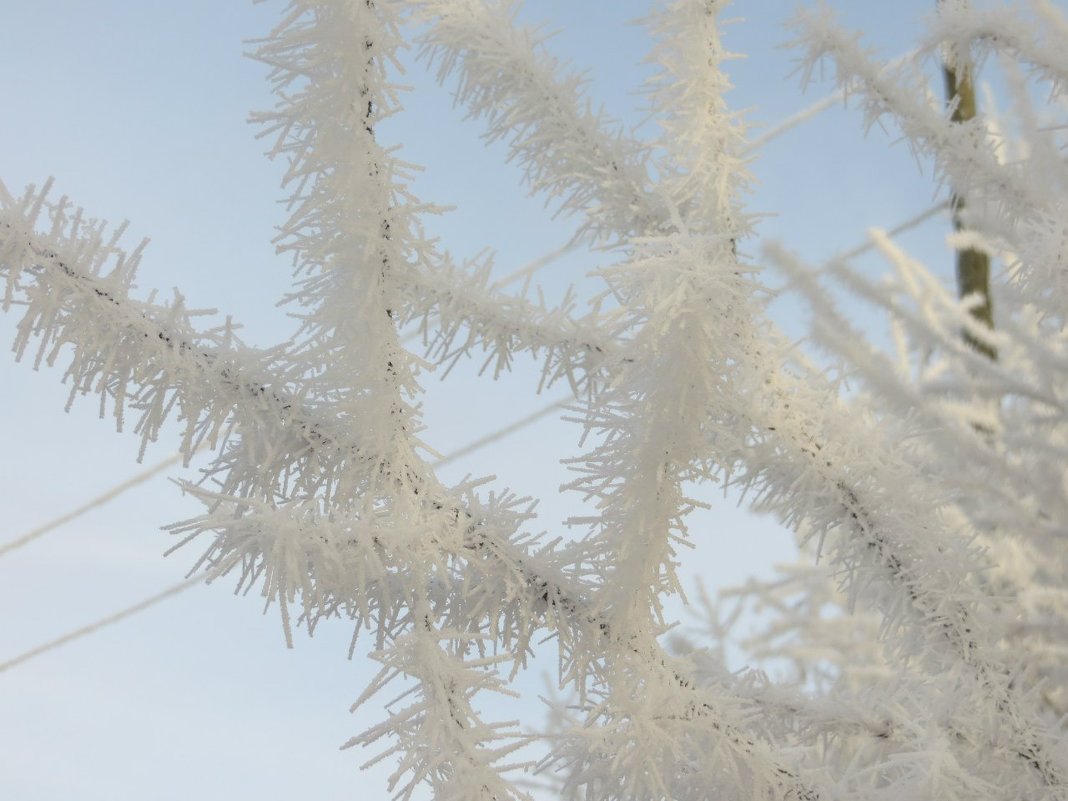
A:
x: 925, y: 630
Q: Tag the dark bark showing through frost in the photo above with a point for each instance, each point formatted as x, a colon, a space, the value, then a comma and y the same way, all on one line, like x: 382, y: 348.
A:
x: 973, y: 266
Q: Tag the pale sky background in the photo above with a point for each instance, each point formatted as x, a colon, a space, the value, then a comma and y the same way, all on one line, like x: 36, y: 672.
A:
x: 138, y: 109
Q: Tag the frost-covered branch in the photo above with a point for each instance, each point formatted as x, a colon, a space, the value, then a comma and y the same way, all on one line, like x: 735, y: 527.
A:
x: 966, y: 160
x: 1008, y: 29
x: 926, y: 646
x: 73, y: 282
x: 440, y: 737
x: 506, y: 77
x: 462, y: 314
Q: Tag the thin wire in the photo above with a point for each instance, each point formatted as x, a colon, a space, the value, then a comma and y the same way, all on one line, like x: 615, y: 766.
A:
x: 110, y: 620
x: 534, y: 266
x: 869, y: 243
x: 100, y: 500
x: 900, y: 228
x: 482, y: 442
x: 804, y: 115
x: 817, y: 108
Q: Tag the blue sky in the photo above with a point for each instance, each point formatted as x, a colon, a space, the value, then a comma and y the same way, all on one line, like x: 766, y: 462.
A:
x: 139, y: 111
